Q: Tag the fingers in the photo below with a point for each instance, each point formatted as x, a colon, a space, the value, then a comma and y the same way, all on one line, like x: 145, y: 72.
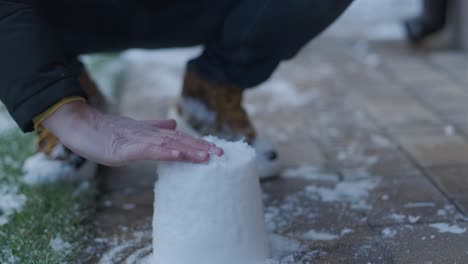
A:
x: 162, y: 124
x: 162, y: 142
x: 155, y: 152
x: 180, y: 139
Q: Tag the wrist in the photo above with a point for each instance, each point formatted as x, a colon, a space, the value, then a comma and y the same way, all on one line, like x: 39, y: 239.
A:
x: 67, y: 118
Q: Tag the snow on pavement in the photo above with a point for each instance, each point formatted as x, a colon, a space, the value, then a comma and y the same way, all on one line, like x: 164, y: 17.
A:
x: 447, y: 228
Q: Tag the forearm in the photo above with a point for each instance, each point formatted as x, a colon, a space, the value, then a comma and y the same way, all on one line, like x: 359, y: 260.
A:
x: 115, y: 140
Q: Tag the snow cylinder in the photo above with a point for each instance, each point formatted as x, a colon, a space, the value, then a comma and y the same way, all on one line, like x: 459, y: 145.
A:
x: 210, y: 213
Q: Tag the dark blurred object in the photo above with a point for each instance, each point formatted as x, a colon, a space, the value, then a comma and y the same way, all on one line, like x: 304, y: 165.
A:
x: 432, y: 19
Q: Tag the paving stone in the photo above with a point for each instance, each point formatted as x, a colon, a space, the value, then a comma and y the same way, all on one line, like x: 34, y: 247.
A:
x: 453, y: 180
x: 453, y: 63
x: 425, y: 244
x: 392, y: 163
x: 393, y: 111
x: 435, y: 150
x: 412, y: 200
x: 300, y: 152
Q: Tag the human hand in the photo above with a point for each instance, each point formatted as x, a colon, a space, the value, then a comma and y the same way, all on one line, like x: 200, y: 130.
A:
x: 115, y: 140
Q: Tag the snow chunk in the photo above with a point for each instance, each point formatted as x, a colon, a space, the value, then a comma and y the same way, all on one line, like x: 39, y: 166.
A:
x: 59, y: 245
x: 308, y: 172
x: 413, y: 219
x: 39, y: 169
x: 388, y: 232
x: 10, y: 202
x: 325, y: 236
x: 446, y: 228
x: 419, y: 205
x: 316, y: 235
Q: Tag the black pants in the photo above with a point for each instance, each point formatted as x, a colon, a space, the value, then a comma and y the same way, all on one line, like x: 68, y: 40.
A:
x: 244, y: 40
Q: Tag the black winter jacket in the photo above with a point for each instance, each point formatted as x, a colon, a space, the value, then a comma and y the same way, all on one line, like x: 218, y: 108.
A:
x: 35, y: 72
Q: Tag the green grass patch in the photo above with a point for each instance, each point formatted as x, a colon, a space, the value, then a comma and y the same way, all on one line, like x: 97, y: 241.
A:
x: 61, y: 211
x: 54, y: 212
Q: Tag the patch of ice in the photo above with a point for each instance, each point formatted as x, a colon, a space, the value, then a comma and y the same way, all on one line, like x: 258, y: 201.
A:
x: 447, y: 228
x: 59, y: 245
x: 11, y: 201
x: 308, y: 172
x: 321, y: 236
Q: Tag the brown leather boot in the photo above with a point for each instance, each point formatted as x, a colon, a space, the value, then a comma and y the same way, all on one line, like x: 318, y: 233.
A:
x: 207, y: 108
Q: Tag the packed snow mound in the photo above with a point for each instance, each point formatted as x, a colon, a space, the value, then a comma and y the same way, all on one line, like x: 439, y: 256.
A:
x: 210, y: 213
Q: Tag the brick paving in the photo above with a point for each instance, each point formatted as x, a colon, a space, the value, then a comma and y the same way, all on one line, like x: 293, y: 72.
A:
x: 392, y: 129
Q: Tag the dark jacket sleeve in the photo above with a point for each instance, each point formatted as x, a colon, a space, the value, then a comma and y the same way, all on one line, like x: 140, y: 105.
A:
x: 34, y: 70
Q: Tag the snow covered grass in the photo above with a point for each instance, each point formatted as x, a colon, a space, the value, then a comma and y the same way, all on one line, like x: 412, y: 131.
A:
x: 38, y: 224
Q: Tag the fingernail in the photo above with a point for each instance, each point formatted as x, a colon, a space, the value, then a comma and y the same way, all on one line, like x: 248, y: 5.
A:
x: 217, y: 151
